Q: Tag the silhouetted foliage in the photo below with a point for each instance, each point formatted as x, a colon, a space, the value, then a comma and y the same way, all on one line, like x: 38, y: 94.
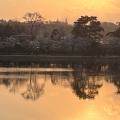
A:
x: 34, y: 20
x: 18, y: 27
x: 36, y: 36
x: 2, y: 31
x: 94, y: 49
x: 87, y: 27
x: 6, y: 30
x: 55, y: 35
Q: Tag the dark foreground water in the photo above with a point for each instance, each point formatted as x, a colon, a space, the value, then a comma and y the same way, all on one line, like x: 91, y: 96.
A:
x: 62, y: 91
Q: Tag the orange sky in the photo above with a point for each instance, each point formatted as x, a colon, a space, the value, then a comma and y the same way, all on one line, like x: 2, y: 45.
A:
x: 105, y: 10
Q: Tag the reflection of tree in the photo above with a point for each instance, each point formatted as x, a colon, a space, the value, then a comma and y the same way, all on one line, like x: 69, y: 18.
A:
x: 34, y: 90
x: 86, y: 89
x: 61, y: 78
x: 16, y: 81
x: 84, y: 80
x: 16, y: 85
x: 11, y: 82
x: 113, y: 75
x: 85, y: 83
x: 5, y: 81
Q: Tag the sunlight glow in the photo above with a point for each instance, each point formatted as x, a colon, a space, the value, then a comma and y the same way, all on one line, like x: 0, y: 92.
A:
x: 71, y: 9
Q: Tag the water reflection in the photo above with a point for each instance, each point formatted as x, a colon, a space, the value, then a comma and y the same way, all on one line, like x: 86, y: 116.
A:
x: 86, y: 83
x: 34, y: 89
x: 113, y: 75
x: 84, y: 79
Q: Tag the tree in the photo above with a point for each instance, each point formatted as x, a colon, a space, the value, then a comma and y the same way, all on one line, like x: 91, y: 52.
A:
x: 55, y: 35
x: 34, y: 20
x: 8, y: 31
x: 94, y: 49
x: 17, y: 26
x: 87, y: 27
x: 2, y: 31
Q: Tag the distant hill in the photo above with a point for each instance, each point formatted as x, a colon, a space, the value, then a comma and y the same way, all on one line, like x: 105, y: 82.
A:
x: 108, y: 27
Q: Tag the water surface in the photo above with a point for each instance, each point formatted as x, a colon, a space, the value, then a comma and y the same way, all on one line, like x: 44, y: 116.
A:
x: 61, y: 91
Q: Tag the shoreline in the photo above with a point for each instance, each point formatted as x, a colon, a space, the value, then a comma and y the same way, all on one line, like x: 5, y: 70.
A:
x: 51, y: 58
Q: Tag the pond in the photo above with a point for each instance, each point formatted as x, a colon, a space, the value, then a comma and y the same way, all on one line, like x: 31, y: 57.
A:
x: 59, y: 91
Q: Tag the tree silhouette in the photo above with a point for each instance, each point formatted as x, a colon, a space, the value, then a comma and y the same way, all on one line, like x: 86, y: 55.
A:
x: 55, y: 35
x: 34, y: 20
x: 18, y: 27
x: 94, y: 49
x: 6, y: 30
x: 87, y: 27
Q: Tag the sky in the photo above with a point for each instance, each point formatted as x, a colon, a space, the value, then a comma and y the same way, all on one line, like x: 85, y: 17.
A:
x: 105, y: 10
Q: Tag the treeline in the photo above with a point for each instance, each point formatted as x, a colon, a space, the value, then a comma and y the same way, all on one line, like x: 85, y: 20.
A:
x: 37, y: 36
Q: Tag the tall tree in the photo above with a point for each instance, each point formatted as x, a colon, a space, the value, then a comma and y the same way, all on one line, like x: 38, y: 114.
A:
x: 34, y: 20
x: 2, y: 31
x: 8, y: 31
x: 87, y: 27
x: 18, y: 27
